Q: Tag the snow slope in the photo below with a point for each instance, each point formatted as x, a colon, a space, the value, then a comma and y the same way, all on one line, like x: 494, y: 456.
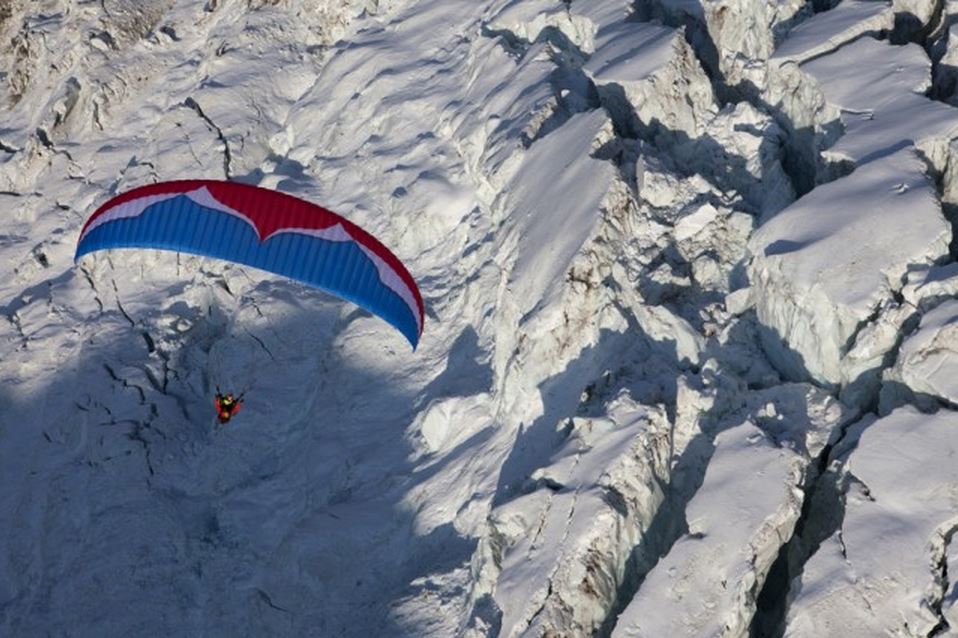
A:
x: 688, y: 360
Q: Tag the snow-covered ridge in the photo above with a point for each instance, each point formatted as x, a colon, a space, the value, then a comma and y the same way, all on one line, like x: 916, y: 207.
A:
x: 687, y: 268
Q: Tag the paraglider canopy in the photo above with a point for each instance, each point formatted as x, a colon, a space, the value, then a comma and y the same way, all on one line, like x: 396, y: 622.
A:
x: 272, y: 231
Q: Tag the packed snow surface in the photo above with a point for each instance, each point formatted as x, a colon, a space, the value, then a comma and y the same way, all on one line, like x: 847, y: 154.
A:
x: 689, y: 357
x: 823, y: 264
x: 927, y: 359
x: 883, y: 571
x: 824, y: 32
x: 735, y: 529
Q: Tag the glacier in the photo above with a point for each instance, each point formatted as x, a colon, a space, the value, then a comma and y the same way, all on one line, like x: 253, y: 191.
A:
x: 689, y: 358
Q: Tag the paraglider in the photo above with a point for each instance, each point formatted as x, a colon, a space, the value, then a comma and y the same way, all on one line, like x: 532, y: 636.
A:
x: 265, y: 229
x: 226, y: 406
